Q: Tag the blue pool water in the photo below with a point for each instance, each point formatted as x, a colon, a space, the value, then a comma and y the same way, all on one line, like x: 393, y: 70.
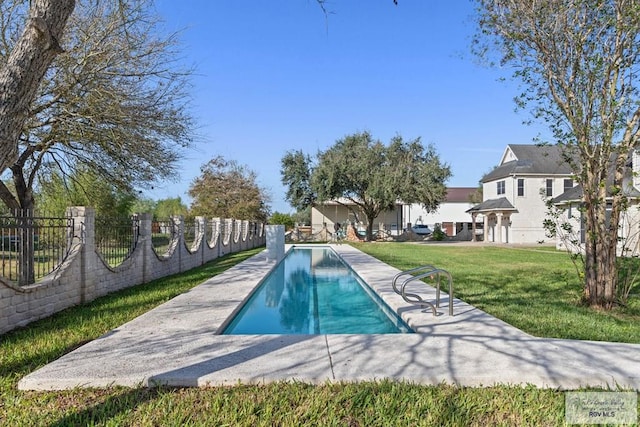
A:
x: 312, y: 291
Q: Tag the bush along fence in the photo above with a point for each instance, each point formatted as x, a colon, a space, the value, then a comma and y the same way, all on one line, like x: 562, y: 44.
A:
x: 100, y: 256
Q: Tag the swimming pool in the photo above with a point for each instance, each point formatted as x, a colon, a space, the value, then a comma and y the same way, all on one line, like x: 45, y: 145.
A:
x: 313, y: 291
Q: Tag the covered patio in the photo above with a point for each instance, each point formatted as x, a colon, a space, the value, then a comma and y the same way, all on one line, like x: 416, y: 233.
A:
x: 497, y: 219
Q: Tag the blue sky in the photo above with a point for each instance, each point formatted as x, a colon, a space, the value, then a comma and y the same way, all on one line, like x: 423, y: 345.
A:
x: 278, y: 75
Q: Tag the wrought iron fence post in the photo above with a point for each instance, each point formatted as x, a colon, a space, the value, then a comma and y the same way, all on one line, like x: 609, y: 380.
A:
x: 25, y: 243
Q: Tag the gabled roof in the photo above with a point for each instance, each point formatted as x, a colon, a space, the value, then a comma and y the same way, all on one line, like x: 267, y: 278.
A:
x: 574, y: 194
x: 454, y: 195
x: 530, y: 159
x: 501, y: 204
x: 459, y: 194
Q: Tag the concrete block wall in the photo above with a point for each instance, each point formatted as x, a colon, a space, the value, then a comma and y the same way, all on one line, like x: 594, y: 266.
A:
x: 85, y: 276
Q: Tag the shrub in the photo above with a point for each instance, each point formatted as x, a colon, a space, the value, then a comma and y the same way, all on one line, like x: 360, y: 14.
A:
x: 438, y: 234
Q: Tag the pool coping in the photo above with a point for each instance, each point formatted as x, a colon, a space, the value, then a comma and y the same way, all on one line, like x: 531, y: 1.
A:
x: 177, y: 344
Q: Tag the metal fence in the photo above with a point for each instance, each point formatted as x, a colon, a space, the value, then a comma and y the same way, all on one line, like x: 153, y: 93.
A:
x: 33, y: 245
x: 116, y: 238
x: 163, y: 234
x: 191, y: 230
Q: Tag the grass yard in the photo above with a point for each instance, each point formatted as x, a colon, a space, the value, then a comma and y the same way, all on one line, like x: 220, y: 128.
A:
x: 531, y: 286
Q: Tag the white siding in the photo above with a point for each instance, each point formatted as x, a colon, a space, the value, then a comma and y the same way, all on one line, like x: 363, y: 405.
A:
x: 447, y: 212
x: 526, y: 224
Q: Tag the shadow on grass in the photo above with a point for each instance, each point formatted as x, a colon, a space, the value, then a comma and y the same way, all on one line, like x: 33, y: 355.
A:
x: 537, y: 291
x: 24, y: 350
x: 117, y: 402
x: 468, y: 349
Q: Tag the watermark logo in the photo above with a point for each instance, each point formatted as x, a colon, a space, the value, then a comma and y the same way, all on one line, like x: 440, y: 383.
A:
x: 586, y: 407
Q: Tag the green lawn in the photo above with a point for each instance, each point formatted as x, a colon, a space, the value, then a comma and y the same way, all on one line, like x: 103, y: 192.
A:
x: 531, y: 286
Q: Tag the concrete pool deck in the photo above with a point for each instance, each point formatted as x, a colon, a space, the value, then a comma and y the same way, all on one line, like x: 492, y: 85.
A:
x: 176, y: 344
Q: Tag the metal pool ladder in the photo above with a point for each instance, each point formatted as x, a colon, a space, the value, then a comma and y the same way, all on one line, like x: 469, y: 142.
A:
x: 424, y: 271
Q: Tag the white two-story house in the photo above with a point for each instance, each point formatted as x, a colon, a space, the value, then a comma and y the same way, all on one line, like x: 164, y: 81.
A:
x: 514, y: 193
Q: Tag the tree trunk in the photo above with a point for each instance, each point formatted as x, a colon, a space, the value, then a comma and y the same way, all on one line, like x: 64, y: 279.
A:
x: 27, y: 63
x: 600, y: 257
x: 370, y: 229
x: 371, y: 211
x: 600, y: 275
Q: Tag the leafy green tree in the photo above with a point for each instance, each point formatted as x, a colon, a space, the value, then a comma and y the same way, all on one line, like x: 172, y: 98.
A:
x: 143, y: 205
x: 372, y: 176
x: 227, y: 189
x: 282, y: 218
x: 302, y: 216
x: 578, y: 61
x: 115, y: 101
x: 296, y: 176
x: 84, y: 188
x: 172, y: 206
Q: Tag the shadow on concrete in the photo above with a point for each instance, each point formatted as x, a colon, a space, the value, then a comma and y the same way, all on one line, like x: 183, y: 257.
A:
x: 177, y: 345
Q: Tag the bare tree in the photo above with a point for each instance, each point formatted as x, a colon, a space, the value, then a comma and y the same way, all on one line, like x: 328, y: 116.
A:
x: 24, y: 65
x: 114, y: 102
x: 24, y: 68
x: 579, y: 61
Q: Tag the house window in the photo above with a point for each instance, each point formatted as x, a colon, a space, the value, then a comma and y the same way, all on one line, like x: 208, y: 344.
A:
x: 500, y: 187
x: 520, y: 187
x: 549, y: 191
x: 568, y: 184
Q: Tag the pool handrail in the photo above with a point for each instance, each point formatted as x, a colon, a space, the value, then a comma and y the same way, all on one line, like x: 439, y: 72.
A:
x: 415, y: 298
x: 408, y: 272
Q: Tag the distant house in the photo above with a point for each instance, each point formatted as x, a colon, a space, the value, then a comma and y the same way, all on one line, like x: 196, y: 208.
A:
x: 344, y: 212
x: 514, y: 193
x: 451, y: 215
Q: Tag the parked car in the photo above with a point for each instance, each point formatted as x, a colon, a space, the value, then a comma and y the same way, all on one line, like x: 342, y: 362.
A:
x: 422, y: 229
